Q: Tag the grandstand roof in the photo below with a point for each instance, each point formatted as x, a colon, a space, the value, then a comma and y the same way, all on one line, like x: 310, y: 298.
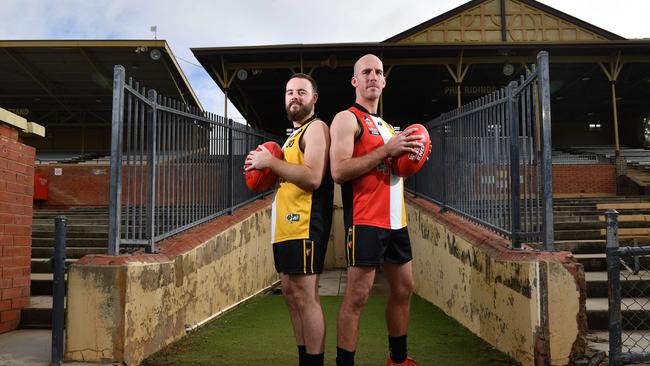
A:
x: 70, y: 81
x: 479, y: 33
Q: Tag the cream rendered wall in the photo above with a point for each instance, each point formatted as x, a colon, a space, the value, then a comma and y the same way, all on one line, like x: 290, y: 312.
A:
x: 494, y: 291
x: 128, y: 311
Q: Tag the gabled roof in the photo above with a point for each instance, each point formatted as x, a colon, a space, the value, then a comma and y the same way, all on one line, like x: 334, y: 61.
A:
x: 469, y: 6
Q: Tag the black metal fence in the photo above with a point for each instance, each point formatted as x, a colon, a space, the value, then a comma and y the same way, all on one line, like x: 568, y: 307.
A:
x: 491, y: 160
x: 628, y: 272
x: 173, y: 166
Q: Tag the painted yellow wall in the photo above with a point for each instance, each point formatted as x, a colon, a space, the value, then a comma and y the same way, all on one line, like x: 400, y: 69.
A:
x: 493, y: 292
x: 126, y: 308
x: 126, y: 312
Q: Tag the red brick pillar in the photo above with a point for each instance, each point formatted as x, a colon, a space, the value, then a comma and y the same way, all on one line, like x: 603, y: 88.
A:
x: 16, y: 193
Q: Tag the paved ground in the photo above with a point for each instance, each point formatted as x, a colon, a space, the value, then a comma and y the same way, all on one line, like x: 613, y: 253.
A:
x: 29, y: 347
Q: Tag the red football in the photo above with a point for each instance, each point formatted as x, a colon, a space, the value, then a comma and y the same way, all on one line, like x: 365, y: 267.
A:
x: 409, y: 163
x: 260, y: 180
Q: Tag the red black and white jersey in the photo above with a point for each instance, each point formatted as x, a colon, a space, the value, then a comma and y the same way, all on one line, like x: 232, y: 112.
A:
x: 377, y: 197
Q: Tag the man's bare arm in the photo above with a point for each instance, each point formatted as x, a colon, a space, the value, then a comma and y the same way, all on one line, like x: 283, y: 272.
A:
x: 308, y: 175
x: 345, y: 167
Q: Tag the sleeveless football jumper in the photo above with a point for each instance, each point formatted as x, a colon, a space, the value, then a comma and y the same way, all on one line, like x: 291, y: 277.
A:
x: 298, y: 214
x: 377, y: 197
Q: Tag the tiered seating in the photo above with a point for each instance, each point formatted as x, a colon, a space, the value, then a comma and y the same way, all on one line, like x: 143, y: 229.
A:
x: 44, y: 158
x: 570, y: 158
x: 632, y: 156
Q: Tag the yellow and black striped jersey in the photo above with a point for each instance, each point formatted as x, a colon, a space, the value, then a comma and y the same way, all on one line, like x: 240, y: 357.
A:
x: 298, y: 213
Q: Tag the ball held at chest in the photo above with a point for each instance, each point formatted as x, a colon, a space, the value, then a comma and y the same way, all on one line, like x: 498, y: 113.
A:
x: 409, y: 163
x: 260, y: 180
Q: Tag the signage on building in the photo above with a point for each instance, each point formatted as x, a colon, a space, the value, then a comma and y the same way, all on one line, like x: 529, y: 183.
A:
x: 23, y: 112
x: 469, y: 89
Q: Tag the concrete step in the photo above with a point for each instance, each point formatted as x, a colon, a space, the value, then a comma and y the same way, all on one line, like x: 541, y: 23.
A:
x: 569, y: 225
x: 592, y: 262
x: 41, y: 284
x: 580, y: 207
x: 72, y: 242
x: 597, y: 262
x: 573, y: 212
x: 42, y: 265
x: 90, y: 220
x: 632, y: 286
x: 634, y: 315
x: 602, y: 199
x: 633, y: 341
x: 593, y: 234
x: 71, y: 252
x: 49, y: 227
x: 577, y: 225
x: 70, y: 234
x: 577, y: 246
x: 563, y: 219
x: 38, y: 315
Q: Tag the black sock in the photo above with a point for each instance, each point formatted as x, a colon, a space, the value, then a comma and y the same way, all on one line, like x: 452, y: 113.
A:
x: 344, y: 358
x: 397, y: 346
x: 302, y: 350
x: 314, y: 360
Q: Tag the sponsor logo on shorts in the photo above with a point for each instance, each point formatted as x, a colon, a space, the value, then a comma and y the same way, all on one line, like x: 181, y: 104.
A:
x: 293, y: 217
x: 308, y: 251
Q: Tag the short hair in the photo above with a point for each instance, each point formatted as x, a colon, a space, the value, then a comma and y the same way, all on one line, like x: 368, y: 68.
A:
x: 300, y: 75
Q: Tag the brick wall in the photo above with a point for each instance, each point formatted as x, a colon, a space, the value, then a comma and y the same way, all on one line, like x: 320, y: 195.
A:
x: 583, y: 178
x: 78, y: 185
x: 16, y: 192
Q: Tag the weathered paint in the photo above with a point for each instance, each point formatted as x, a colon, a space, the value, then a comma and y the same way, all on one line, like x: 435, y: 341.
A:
x: 492, y: 290
x: 126, y: 308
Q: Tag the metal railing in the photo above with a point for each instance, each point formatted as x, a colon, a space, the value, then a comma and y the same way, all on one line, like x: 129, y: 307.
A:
x: 491, y: 160
x: 628, y: 272
x: 173, y: 166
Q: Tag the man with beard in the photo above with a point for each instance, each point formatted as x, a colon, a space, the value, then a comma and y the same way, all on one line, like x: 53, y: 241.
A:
x: 363, y: 146
x: 301, y: 214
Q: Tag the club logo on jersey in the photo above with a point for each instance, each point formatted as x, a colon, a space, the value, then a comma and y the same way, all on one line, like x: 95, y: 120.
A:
x: 293, y: 217
x: 384, y: 166
x: 290, y: 142
x: 373, y: 131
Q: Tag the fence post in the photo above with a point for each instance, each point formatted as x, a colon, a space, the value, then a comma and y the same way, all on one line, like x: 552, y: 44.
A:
x: 515, y: 189
x: 152, y: 157
x: 58, y: 289
x: 614, y: 288
x: 231, y: 160
x: 443, y: 134
x: 547, y: 156
x: 115, y: 195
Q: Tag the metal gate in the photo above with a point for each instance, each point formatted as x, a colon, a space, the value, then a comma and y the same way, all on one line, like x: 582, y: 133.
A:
x: 491, y: 160
x: 629, y: 300
x: 173, y: 166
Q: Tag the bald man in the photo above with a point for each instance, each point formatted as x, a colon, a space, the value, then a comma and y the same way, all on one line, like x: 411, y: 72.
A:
x: 361, y: 152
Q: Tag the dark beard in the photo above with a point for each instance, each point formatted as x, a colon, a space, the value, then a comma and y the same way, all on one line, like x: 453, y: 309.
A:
x: 298, y: 115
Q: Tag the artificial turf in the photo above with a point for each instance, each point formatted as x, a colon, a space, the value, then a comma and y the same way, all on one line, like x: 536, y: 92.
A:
x: 259, y: 333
